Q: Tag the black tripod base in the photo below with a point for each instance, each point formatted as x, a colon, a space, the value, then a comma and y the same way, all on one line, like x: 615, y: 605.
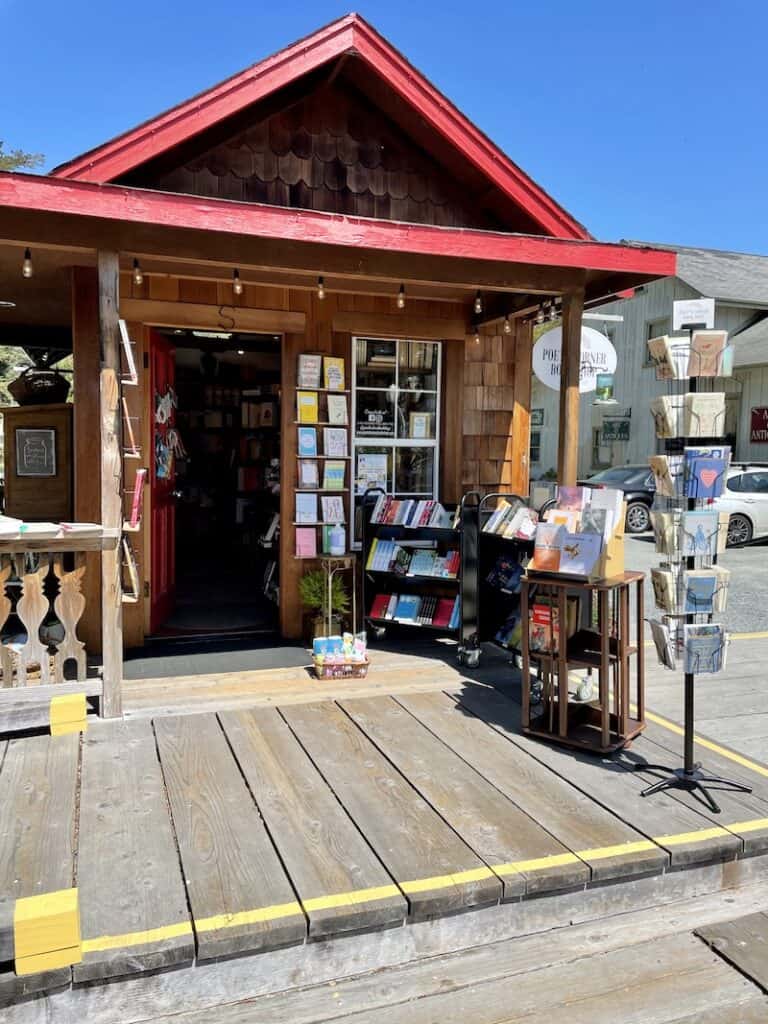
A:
x: 694, y: 780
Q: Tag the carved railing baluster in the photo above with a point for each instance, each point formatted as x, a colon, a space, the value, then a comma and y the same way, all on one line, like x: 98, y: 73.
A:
x: 32, y: 607
x: 69, y: 606
x: 6, y: 658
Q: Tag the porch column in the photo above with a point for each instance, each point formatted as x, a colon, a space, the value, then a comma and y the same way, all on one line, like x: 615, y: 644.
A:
x: 111, y: 483
x: 568, y: 424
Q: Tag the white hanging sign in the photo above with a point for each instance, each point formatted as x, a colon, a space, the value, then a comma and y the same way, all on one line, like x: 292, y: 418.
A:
x: 597, y: 356
x: 693, y: 311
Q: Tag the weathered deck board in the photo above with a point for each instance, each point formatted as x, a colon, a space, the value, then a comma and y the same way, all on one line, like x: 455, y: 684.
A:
x: 607, y: 782
x: 434, y: 868
x: 37, y: 823
x: 743, y: 942
x: 240, y: 896
x: 506, y: 838
x: 325, y: 855
x: 573, y: 818
x: 128, y: 869
x: 751, y: 1011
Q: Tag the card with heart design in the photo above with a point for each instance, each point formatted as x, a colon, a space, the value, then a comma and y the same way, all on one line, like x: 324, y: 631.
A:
x: 705, y: 471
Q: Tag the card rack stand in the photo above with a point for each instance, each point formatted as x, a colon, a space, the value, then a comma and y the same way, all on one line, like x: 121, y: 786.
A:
x: 496, y: 605
x: 464, y: 537
x: 690, y: 776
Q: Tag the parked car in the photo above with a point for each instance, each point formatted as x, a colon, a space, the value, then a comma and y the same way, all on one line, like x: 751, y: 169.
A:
x: 745, y: 497
x: 639, y: 489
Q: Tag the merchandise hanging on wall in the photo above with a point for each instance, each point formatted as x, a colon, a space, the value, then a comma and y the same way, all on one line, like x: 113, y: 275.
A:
x: 689, y: 587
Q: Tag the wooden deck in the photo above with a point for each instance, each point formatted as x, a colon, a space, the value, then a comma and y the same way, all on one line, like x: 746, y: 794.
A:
x: 192, y: 837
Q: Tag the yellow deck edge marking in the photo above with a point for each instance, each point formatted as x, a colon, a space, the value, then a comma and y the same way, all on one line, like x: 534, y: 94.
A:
x: 707, y: 744
x: 241, y: 917
x: 68, y: 713
x: 66, y: 957
x: 350, y: 899
x: 749, y: 826
x: 620, y: 850
x: 46, y: 931
x: 446, y: 881
x: 167, y: 931
x: 699, y: 836
x: 555, y: 860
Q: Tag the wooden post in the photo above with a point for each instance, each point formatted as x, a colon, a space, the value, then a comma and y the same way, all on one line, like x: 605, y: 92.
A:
x: 87, y: 436
x: 521, y: 414
x: 111, y: 484
x: 568, y: 425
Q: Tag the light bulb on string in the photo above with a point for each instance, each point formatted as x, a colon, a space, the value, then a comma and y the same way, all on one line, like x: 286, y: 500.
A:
x: 478, y: 303
x: 138, y: 276
x: 321, y: 288
x: 540, y: 318
x: 477, y: 337
x: 401, y: 297
x: 507, y: 325
x: 553, y: 311
x: 237, y: 284
x: 27, y: 270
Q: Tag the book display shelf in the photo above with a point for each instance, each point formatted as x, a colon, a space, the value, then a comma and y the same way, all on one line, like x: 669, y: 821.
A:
x: 420, y: 568
x: 690, y: 588
x: 323, y: 473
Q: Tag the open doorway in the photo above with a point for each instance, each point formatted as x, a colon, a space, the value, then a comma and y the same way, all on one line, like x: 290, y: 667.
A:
x: 224, y: 485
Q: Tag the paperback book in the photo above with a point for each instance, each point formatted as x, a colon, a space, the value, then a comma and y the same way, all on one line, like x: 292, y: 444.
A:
x: 307, y: 442
x: 662, y: 640
x: 306, y: 406
x: 333, y: 475
x: 337, y: 410
x: 309, y: 370
x: 332, y: 508
x: 704, y: 414
x: 306, y: 542
x: 306, y: 508
x: 580, y: 553
x: 333, y: 368
x: 334, y: 442
x: 547, y: 548
x: 308, y: 475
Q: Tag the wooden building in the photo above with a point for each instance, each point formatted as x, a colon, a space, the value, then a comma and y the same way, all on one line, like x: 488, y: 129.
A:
x: 283, y: 212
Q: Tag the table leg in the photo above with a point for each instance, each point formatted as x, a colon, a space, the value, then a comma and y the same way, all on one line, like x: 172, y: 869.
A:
x: 525, y: 681
x: 604, y: 626
x: 640, y: 664
x: 623, y: 644
x: 562, y: 663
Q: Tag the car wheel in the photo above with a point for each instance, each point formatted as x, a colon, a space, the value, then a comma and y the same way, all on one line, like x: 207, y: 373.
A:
x: 638, y: 517
x: 739, y: 531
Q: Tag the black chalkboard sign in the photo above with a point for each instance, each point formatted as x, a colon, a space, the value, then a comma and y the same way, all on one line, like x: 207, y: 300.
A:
x: 35, y: 452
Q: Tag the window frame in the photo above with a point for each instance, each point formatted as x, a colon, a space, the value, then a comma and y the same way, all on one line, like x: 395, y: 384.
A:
x: 654, y: 332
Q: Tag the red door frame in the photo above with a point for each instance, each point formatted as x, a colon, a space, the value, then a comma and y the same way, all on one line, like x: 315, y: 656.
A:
x: 162, y: 359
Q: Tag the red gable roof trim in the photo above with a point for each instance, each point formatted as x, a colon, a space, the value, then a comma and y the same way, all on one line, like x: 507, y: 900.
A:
x: 121, y: 203
x: 351, y: 34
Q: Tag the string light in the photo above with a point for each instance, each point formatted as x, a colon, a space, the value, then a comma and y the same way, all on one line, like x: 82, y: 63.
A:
x: 27, y: 270
x: 478, y: 303
x: 553, y: 311
x: 237, y: 284
x: 477, y: 337
x: 138, y: 277
x: 401, y: 297
x: 540, y: 318
x: 507, y: 324
x: 321, y: 288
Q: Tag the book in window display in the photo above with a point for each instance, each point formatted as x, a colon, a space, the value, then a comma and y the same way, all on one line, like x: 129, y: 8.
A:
x: 334, y: 442
x: 307, y: 437
x: 309, y: 370
x: 306, y: 406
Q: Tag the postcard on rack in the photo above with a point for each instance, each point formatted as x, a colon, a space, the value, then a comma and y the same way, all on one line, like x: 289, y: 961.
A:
x: 333, y: 475
x: 571, y: 499
x: 705, y: 471
x: 667, y: 412
x: 333, y: 509
x: 699, y: 534
x: 704, y: 414
x: 580, y: 553
x: 308, y: 474
x: 701, y: 585
x: 306, y: 508
x: 309, y: 372
x: 666, y: 529
x: 337, y: 410
x: 665, y: 648
x: 707, y: 350
x: 664, y: 583
x: 668, y: 474
x: 307, y: 442
x: 660, y: 353
x: 306, y: 406
x: 306, y: 542
x: 704, y: 648
x: 334, y: 442
x: 333, y: 368
x: 547, y: 548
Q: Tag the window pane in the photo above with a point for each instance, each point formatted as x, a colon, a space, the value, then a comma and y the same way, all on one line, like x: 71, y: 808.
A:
x: 414, y: 470
x: 734, y: 484
x: 375, y: 363
x: 418, y: 365
x: 416, y: 414
x: 374, y: 413
x: 373, y: 468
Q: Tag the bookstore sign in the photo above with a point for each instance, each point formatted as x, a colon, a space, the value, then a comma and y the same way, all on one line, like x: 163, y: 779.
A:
x: 758, y: 426
x: 598, y: 356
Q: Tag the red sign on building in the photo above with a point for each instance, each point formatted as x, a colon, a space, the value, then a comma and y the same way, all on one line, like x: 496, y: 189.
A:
x: 758, y: 428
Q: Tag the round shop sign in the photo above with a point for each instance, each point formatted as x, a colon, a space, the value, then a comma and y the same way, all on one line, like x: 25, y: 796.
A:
x: 598, y: 356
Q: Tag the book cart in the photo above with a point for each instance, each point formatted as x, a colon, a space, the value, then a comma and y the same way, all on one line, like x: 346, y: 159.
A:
x: 690, y: 588
x: 462, y: 537
x: 499, y: 586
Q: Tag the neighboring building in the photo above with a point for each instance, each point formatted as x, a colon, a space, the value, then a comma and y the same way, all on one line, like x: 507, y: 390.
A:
x: 739, y: 285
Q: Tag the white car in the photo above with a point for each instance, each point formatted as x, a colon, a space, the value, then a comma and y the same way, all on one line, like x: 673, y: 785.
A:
x: 745, y: 497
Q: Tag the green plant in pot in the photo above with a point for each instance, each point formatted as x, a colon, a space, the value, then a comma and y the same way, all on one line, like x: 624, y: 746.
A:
x: 313, y: 590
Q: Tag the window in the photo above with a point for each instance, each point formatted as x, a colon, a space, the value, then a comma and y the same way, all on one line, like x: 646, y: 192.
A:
x: 601, y: 454
x: 535, y: 447
x: 395, y: 417
x: 654, y: 329
x: 753, y: 483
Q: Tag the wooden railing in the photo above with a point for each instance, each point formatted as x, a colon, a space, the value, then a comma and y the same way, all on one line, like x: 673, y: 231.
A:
x: 41, y: 583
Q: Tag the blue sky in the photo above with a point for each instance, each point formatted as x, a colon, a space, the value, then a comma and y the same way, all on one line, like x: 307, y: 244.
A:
x: 646, y: 121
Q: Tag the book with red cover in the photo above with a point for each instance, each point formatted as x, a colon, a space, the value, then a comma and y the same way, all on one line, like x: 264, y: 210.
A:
x: 138, y: 496
x: 443, y: 612
x: 542, y: 637
x: 380, y: 605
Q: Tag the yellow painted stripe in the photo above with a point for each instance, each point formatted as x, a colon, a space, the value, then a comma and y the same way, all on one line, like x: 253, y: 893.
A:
x: 759, y: 635
x: 731, y: 755
x: 350, y: 899
x: 699, y: 836
x: 556, y: 860
x: 168, y: 931
x: 241, y: 917
x: 446, y: 881
x: 749, y: 826
x: 620, y: 850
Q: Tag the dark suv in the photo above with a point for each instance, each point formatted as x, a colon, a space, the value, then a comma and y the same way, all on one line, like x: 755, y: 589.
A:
x: 639, y: 488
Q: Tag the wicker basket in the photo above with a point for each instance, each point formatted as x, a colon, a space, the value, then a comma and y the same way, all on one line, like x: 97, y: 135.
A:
x: 343, y: 670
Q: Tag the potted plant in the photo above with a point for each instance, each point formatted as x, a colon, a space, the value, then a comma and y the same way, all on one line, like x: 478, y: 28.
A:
x: 313, y: 590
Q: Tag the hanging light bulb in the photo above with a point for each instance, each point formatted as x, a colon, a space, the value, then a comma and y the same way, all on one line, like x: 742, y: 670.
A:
x: 237, y: 284
x: 540, y: 318
x: 401, y: 297
x: 507, y: 324
x: 27, y: 270
x: 321, y: 288
x: 477, y: 337
x: 552, y: 311
x: 478, y: 303
x: 138, y: 277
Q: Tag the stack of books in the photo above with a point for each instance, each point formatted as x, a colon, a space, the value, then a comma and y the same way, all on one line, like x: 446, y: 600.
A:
x: 512, y: 521
x: 417, y: 610
x: 389, y: 556
x: 409, y: 512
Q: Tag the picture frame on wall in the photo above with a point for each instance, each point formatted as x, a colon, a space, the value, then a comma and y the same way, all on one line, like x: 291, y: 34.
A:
x: 420, y: 425
x: 35, y: 451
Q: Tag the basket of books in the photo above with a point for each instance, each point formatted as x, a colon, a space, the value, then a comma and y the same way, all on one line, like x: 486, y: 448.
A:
x: 340, y: 657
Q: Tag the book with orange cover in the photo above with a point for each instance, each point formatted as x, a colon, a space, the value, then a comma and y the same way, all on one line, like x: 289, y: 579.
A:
x: 547, y: 547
